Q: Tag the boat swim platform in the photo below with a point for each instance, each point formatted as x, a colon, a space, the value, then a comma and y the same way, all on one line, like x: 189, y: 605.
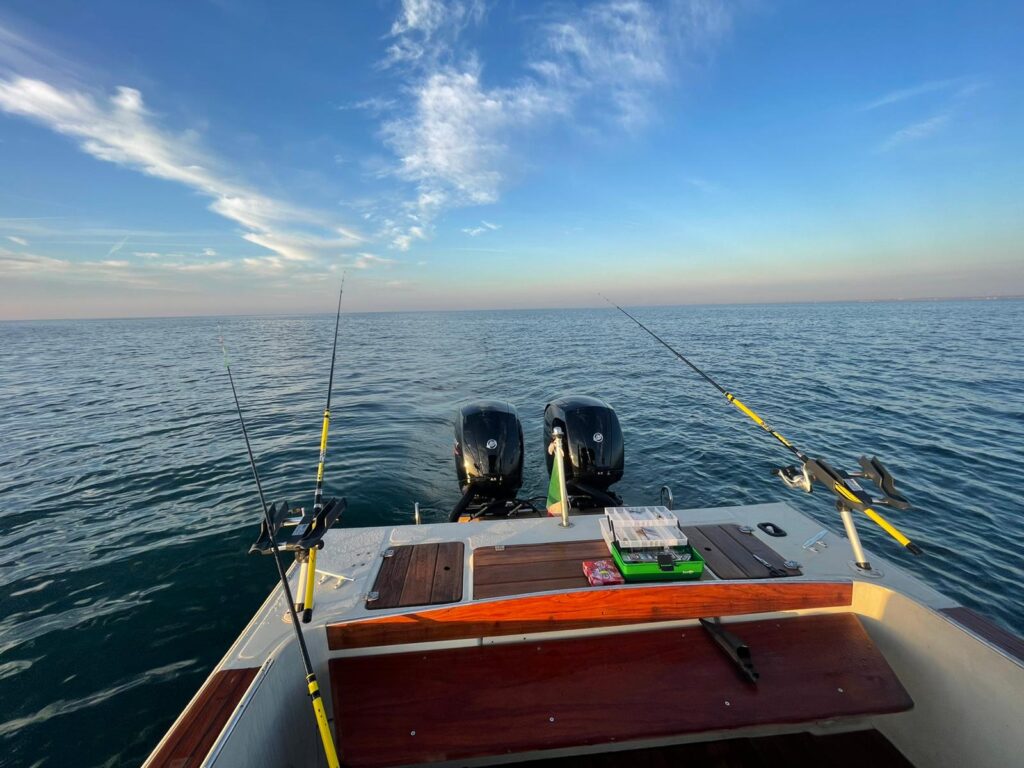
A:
x: 442, y: 655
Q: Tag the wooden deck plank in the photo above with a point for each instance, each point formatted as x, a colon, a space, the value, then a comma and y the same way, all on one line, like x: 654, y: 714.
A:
x: 714, y: 558
x: 194, y: 735
x: 534, y: 553
x: 595, y: 690
x: 390, y: 579
x: 419, y: 579
x: 447, y: 586
x: 979, y: 625
x: 518, y: 572
x: 752, y: 544
x: 588, y: 608
x: 484, y: 591
x: 735, y: 552
x: 523, y: 568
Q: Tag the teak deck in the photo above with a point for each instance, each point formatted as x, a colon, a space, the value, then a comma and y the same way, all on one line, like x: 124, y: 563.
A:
x: 524, y: 568
x: 519, y: 697
x: 190, y: 741
x: 729, y: 552
x: 419, y: 574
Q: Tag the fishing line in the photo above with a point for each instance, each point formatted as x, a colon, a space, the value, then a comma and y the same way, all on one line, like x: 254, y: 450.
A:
x: 849, y: 493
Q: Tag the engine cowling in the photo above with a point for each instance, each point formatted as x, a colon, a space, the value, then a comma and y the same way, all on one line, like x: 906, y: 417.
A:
x: 595, y: 449
x: 489, y: 449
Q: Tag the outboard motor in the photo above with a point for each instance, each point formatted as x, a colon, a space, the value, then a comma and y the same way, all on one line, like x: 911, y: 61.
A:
x: 594, y: 448
x: 488, y: 456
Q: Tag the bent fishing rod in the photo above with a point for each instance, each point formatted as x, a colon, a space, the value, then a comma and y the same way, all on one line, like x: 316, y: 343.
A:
x: 307, y: 560
x: 311, y: 682
x: 850, y: 495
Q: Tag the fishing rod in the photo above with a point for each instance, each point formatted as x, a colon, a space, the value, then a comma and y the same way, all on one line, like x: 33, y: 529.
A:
x: 311, y: 682
x: 307, y: 559
x: 850, y: 495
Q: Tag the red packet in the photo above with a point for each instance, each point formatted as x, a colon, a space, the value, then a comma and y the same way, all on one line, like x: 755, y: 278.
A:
x: 599, y: 572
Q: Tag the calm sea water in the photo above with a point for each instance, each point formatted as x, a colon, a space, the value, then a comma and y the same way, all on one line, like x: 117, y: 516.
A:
x: 126, y: 504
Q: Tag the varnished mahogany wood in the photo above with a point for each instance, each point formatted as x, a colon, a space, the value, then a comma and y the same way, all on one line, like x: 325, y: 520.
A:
x: 518, y: 697
x: 191, y: 739
x: 979, y: 625
x: 598, y: 607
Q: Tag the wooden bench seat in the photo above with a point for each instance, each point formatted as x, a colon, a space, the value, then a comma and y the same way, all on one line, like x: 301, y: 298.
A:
x: 452, y: 704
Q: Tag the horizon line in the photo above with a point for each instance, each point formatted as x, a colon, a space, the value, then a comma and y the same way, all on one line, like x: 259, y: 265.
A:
x: 1008, y: 297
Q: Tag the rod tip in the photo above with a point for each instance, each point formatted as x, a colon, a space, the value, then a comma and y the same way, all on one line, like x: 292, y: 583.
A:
x: 307, y: 615
x: 914, y: 549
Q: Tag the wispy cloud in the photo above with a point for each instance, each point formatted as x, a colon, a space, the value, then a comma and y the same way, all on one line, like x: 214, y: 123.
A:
x: 426, y: 29
x: 915, y: 131
x: 120, y: 129
x: 903, y: 94
x: 366, y: 260
x: 456, y: 135
x: 19, y: 240
x: 117, y: 246
x: 955, y: 94
x: 485, y: 227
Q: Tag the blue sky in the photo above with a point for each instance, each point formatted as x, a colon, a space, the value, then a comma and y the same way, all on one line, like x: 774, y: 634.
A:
x: 230, y: 156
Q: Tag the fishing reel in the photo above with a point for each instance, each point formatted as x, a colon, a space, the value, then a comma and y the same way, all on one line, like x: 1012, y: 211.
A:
x: 844, y: 484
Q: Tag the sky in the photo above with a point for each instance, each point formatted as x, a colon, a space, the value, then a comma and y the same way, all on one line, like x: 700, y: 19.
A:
x: 234, y: 156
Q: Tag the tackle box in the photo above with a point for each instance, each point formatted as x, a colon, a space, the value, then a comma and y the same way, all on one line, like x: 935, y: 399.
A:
x: 648, y: 544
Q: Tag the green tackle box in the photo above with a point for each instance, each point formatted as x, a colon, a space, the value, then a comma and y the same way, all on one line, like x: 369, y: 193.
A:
x: 644, y: 565
x: 648, y: 544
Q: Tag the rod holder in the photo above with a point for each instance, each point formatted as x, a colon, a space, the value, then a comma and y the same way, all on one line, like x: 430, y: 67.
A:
x: 859, y: 558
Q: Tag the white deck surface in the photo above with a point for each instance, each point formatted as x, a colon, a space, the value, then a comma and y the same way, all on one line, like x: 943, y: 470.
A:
x: 355, y: 553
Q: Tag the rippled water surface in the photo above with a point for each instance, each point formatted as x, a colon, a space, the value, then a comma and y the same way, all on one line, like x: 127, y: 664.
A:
x: 126, y: 505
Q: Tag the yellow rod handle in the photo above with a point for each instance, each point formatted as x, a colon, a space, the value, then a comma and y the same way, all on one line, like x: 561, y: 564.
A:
x: 301, y: 583
x: 889, y: 528
x: 310, y: 582
x: 321, y: 721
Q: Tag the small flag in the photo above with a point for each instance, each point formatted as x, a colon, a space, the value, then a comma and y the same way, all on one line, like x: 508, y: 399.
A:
x: 555, y: 486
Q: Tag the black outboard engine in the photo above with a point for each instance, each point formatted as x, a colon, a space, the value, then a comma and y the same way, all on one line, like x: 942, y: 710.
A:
x: 595, y: 450
x: 488, y: 456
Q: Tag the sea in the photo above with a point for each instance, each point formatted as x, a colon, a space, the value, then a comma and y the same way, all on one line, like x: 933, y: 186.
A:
x: 127, y: 505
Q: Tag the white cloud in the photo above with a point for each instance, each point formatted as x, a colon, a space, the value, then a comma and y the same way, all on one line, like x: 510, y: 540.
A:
x: 201, y: 267
x: 367, y: 260
x: 19, y: 240
x: 915, y: 131
x: 485, y: 226
x: 456, y: 135
x: 117, y: 246
x: 425, y: 29
x: 209, y: 252
x: 120, y: 130
x: 903, y: 94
